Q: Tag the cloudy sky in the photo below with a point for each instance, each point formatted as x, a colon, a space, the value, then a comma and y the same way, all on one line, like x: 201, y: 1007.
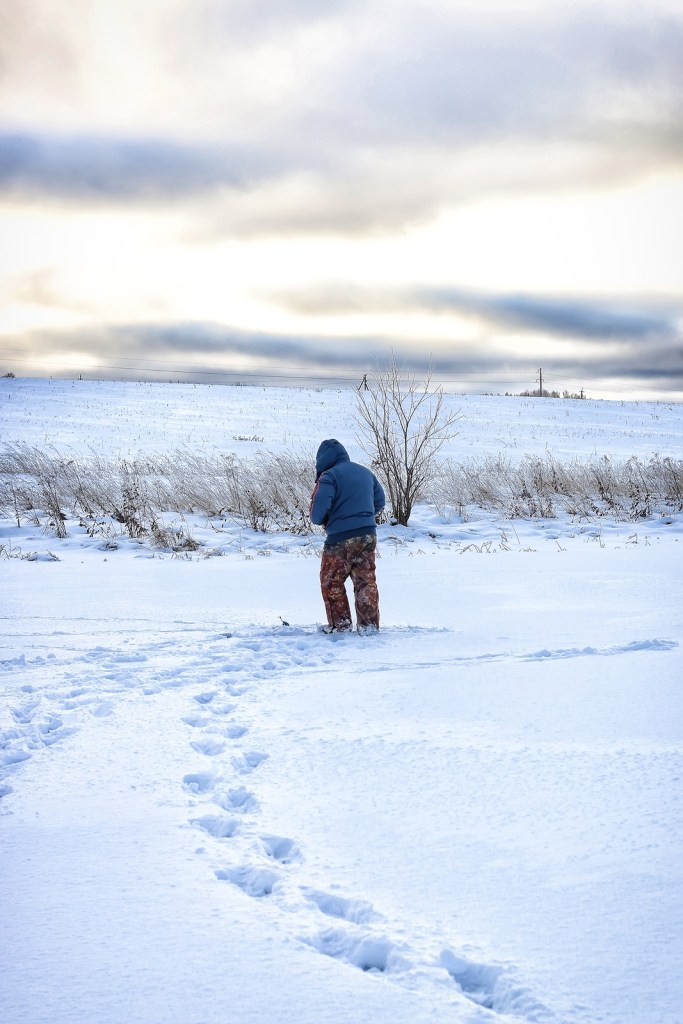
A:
x: 205, y: 189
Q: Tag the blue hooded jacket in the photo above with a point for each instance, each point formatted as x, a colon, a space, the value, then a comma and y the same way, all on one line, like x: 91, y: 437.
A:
x: 347, y: 496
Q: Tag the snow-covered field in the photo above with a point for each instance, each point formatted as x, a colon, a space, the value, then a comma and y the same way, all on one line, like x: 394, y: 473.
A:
x: 209, y: 817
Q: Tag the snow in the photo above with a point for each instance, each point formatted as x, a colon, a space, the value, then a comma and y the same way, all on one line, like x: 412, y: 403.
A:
x: 140, y: 417
x: 211, y: 817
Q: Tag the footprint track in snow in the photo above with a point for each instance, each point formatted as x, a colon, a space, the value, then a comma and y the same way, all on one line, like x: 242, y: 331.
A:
x: 340, y: 926
x: 67, y: 687
x: 207, y: 697
x: 197, y: 721
x: 494, y: 987
x: 477, y: 981
x: 266, y: 866
x: 239, y: 800
x: 355, y: 911
x: 235, y: 732
x: 31, y: 727
x: 254, y: 881
x: 199, y: 782
x: 217, y: 825
x: 213, y: 728
x: 368, y: 952
x: 210, y: 745
x: 249, y: 761
x: 280, y: 849
x: 491, y: 986
x: 259, y: 879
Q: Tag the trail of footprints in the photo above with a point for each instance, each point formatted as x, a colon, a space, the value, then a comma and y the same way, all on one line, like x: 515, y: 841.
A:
x: 269, y: 867
x: 261, y: 865
x: 61, y: 689
x: 30, y: 726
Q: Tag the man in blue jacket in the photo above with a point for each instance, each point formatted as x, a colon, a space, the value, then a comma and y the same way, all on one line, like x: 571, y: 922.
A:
x: 346, y: 500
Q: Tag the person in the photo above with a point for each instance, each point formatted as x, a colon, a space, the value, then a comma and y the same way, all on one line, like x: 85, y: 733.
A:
x: 346, y: 501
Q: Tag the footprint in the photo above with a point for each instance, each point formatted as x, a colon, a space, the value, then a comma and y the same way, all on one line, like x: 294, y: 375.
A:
x: 51, y: 724
x: 211, y: 746
x: 255, y: 882
x: 199, y: 782
x: 235, y: 690
x: 283, y: 850
x: 477, y: 981
x: 217, y: 825
x: 53, y: 729
x: 367, y: 952
x: 490, y: 986
x: 14, y: 757
x: 102, y: 710
x: 207, y: 697
x: 235, y: 732
x: 24, y: 716
x: 247, y: 762
x: 196, y: 721
x: 223, y: 709
x: 239, y: 801
x: 356, y: 911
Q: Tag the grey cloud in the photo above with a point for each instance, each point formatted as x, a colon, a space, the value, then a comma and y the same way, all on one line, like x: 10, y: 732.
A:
x: 573, y: 317
x: 191, y: 351
x: 430, y: 110
x: 485, y: 366
x: 529, y: 77
x: 115, y: 168
x: 177, y: 343
x: 413, y: 74
x: 216, y: 340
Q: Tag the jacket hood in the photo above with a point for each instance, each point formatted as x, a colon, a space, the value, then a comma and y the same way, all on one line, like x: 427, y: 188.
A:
x: 329, y: 454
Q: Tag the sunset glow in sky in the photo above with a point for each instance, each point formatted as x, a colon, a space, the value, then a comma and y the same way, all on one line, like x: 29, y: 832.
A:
x: 193, y: 189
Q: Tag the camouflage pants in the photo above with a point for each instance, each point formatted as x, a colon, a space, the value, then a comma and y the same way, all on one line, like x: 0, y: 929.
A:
x: 355, y: 558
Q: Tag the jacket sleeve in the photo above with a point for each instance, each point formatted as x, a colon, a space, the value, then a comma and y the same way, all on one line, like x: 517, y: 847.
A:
x: 322, y: 498
x: 378, y: 494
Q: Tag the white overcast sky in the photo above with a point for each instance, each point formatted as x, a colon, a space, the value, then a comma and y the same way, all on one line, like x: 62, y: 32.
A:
x: 196, y: 188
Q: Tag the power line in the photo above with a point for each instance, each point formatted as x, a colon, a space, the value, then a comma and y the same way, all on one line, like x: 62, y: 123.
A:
x: 291, y: 373
x: 164, y: 367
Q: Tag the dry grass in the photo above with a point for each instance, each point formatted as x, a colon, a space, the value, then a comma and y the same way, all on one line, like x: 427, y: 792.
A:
x: 545, y: 487
x: 271, y: 492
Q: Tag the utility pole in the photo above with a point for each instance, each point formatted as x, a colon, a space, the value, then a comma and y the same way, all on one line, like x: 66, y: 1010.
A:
x: 364, y: 383
x: 540, y: 382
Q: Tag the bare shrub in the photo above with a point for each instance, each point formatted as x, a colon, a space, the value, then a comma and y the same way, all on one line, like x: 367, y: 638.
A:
x: 253, y: 506
x: 402, y: 427
x: 173, y: 538
x: 132, y: 508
